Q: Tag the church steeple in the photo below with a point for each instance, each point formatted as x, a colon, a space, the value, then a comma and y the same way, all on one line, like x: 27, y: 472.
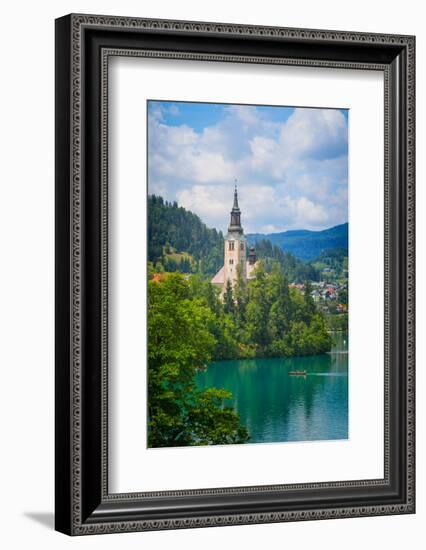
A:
x: 235, y: 207
x: 235, y: 225
x: 235, y: 260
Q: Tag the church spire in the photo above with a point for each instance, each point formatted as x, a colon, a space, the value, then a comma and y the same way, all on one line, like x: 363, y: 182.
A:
x: 235, y: 225
x: 235, y: 207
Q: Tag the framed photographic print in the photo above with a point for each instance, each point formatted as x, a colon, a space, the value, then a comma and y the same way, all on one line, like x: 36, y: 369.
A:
x: 234, y: 274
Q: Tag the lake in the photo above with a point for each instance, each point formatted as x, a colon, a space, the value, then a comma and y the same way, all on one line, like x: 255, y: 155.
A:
x: 275, y: 406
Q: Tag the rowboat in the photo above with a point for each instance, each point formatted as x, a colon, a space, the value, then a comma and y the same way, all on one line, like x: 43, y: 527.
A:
x: 297, y: 373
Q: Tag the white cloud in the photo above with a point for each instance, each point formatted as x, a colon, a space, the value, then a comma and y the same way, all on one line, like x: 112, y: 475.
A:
x: 291, y: 174
x: 313, y: 133
x: 310, y: 213
x: 265, y: 209
x: 207, y: 202
x: 244, y: 113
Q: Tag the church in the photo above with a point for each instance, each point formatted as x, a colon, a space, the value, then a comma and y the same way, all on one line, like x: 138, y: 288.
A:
x: 235, y: 252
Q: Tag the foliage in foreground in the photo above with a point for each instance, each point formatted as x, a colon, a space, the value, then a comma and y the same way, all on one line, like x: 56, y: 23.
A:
x: 182, y: 339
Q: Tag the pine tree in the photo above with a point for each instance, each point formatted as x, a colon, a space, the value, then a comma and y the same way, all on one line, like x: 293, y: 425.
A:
x: 228, y: 298
x: 309, y: 301
x: 258, y: 309
x: 241, y: 297
x: 280, y: 312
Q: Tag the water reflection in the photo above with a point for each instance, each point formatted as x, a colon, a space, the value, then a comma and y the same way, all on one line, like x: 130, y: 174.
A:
x: 275, y: 406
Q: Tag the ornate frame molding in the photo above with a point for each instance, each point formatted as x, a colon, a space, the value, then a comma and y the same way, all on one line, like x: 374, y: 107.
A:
x: 72, y: 46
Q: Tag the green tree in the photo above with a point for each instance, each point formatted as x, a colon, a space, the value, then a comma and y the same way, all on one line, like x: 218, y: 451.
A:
x: 241, y: 297
x: 180, y: 342
x: 343, y: 296
x: 228, y: 298
x: 212, y: 422
x: 280, y: 311
x: 309, y: 301
x: 211, y: 295
x: 172, y: 228
x: 258, y: 309
x: 225, y: 332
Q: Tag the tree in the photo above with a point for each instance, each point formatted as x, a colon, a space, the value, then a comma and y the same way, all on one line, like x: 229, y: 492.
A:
x: 180, y: 342
x: 294, y: 269
x: 211, y: 295
x: 278, y: 296
x: 228, y: 298
x: 309, y: 301
x: 241, y: 297
x: 258, y: 309
x: 214, y: 423
x: 172, y: 228
x: 343, y: 296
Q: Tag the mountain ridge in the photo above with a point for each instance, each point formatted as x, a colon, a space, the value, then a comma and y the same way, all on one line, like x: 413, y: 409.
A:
x: 304, y: 243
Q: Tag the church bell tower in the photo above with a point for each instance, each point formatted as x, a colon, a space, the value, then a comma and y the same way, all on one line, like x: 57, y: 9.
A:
x: 235, y: 245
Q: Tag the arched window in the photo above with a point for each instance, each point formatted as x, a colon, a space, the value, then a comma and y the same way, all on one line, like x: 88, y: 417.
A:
x: 231, y: 245
x: 242, y: 245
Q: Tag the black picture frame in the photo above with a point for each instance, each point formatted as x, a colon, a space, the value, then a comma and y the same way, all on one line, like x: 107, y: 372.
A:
x: 83, y: 45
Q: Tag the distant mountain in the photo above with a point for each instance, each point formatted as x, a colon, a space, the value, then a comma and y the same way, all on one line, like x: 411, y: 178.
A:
x: 304, y: 244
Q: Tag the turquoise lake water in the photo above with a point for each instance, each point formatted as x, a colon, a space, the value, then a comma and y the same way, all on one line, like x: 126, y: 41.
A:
x: 275, y: 406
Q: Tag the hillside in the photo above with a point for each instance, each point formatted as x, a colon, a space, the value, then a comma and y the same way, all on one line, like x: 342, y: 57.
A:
x: 306, y: 245
x: 333, y: 264
x: 172, y: 231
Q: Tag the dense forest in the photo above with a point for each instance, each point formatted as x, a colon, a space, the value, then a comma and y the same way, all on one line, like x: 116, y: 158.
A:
x: 295, y: 270
x: 335, y: 259
x: 172, y: 229
x: 189, y: 326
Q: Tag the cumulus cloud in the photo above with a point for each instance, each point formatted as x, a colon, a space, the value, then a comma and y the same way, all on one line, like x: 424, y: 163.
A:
x: 292, y: 171
x: 314, y: 133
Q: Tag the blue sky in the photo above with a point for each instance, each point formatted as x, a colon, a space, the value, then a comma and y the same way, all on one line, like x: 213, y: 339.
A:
x: 291, y: 164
